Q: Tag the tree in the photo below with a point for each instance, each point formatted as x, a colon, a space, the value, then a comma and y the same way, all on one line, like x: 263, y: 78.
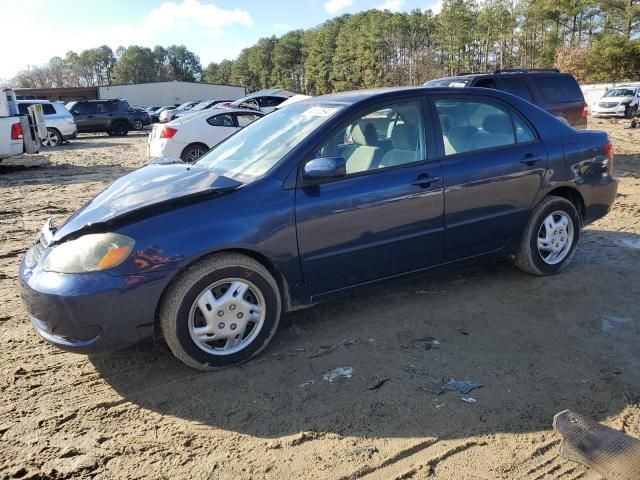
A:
x: 288, y: 62
x: 184, y: 65
x: 136, y: 65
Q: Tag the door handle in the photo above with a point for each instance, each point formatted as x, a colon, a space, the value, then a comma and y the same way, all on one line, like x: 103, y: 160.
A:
x: 424, y: 180
x: 530, y: 159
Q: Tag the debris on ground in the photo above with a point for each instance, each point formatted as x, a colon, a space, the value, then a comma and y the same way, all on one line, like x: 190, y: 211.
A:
x: 462, y: 386
x: 468, y: 399
x: 339, y: 373
x: 326, y: 349
x: 379, y: 383
x: 307, y: 383
x: 430, y: 342
x: 452, y: 384
x: 427, y: 292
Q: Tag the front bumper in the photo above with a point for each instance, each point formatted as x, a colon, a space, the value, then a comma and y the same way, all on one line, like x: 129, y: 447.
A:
x: 91, y: 312
x: 617, y: 111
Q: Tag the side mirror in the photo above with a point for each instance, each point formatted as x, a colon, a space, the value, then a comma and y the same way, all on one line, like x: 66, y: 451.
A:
x: 75, y: 112
x: 327, y: 167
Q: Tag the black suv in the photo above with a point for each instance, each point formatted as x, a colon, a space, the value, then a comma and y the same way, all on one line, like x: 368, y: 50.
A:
x: 556, y: 92
x: 110, y: 116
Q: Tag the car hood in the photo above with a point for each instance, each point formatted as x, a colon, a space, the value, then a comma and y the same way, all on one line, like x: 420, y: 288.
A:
x: 615, y: 99
x: 155, y: 186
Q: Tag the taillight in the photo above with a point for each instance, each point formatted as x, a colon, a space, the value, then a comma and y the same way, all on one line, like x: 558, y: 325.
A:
x: 608, y: 150
x: 168, y: 132
x: 585, y: 111
x: 16, y: 131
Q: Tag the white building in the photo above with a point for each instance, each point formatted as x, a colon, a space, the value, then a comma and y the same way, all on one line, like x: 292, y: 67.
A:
x: 170, y: 93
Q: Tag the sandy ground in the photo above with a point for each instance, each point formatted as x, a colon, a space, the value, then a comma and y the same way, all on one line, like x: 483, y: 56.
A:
x: 537, y: 345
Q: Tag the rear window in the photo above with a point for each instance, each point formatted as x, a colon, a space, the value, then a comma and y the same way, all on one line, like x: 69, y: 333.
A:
x: 558, y: 88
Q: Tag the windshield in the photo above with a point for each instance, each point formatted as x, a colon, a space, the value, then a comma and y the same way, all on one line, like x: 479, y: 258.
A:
x: 183, y: 106
x: 255, y: 149
x: 448, y: 82
x: 202, y: 106
x: 620, y: 92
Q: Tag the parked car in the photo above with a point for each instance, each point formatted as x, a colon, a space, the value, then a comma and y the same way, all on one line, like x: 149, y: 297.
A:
x: 170, y: 113
x: 264, y: 100
x: 617, y: 102
x: 155, y: 115
x: 110, y: 116
x: 556, y: 92
x: 60, y: 123
x: 191, y: 136
x: 287, y: 213
x: 141, y: 118
x: 207, y: 104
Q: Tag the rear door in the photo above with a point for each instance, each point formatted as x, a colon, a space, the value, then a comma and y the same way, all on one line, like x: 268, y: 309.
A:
x: 221, y: 126
x: 493, y: 164
x: 560, y: 95
x: 385, y: 216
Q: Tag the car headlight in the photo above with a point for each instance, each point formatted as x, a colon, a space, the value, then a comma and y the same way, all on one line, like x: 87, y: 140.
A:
x: 89, y: 253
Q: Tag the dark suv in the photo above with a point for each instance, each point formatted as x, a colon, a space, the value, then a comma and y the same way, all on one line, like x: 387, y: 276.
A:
x: 110, y: 116
x: 556, y: 92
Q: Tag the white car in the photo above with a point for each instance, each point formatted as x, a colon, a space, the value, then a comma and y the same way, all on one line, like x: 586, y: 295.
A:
x: 60, y: 123
x: 621, y: 101
x: 190, y: 137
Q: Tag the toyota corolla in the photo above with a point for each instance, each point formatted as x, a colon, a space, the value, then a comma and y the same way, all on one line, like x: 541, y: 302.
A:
x: 318, y: 198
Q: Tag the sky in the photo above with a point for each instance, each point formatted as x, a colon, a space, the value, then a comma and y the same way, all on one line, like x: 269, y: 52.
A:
x: 37, y: 30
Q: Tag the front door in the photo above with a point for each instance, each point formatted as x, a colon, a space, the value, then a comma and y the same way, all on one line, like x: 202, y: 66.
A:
x: 493, y: 164
x: 84, y: 115
x: 385, y: 216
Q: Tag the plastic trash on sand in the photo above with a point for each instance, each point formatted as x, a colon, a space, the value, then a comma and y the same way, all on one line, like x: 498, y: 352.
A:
x: 338, y: 374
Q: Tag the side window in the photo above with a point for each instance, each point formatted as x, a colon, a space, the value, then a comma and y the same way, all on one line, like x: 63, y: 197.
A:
x: 271, y: 101
x: 245, y: 119
x: 469, y: 125
x: 22, y: 108
x: 523, y: 130
x: 386, y: 137
x: 485, y: 83
x: 515, y: 86
x: 222, y: 120
x: 85, y: 108
x: 48, y: 109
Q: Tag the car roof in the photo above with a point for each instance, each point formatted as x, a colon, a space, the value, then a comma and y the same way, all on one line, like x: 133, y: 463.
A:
x: 35, y: 101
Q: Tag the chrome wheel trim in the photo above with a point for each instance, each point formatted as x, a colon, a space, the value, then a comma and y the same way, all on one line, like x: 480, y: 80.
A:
x: 227, y: 316
x: 555, y: 237
x: 51, y: 140
x: 194, y: 154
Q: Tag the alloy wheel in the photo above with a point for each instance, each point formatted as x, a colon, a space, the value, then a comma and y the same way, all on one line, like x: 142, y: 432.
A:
x: 51, y: 140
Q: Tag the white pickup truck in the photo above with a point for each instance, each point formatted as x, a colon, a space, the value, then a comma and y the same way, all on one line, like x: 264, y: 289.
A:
x: 18, y: 134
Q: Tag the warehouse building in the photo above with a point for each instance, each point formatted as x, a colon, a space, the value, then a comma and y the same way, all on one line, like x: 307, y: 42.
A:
x: 140, y: 94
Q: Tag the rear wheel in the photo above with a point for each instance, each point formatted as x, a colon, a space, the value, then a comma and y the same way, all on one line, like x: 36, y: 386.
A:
x: 53, y: 138
x: 221, y: 312
x: 119, y: 129
x: 550, y: 238
x: 193, y: 152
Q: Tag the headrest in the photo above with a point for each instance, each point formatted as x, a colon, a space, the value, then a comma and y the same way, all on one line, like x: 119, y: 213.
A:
x: 497, y: 124
x: 404, y: 137
x: 364, y: 134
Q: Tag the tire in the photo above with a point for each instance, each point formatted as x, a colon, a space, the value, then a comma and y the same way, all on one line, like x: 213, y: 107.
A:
x: 119, y: 129
x: 53, y: 139
x: 529, y: 257
x: 138, y: 124
x: 193, y: 152
x: 181, y: 317
x: 629, y: 111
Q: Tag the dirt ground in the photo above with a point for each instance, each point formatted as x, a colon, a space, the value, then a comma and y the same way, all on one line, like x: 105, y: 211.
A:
x: 536, y: 345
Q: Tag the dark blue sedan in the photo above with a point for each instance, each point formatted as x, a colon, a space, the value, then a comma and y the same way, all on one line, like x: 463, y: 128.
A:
x: 311, y: 201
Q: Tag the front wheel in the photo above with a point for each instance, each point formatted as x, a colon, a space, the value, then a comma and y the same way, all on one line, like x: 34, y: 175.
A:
x: 629, y: 112
x: 53, y: 138
x: 220, y: 312
x: 138, y: 124
x: 550, y: 238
